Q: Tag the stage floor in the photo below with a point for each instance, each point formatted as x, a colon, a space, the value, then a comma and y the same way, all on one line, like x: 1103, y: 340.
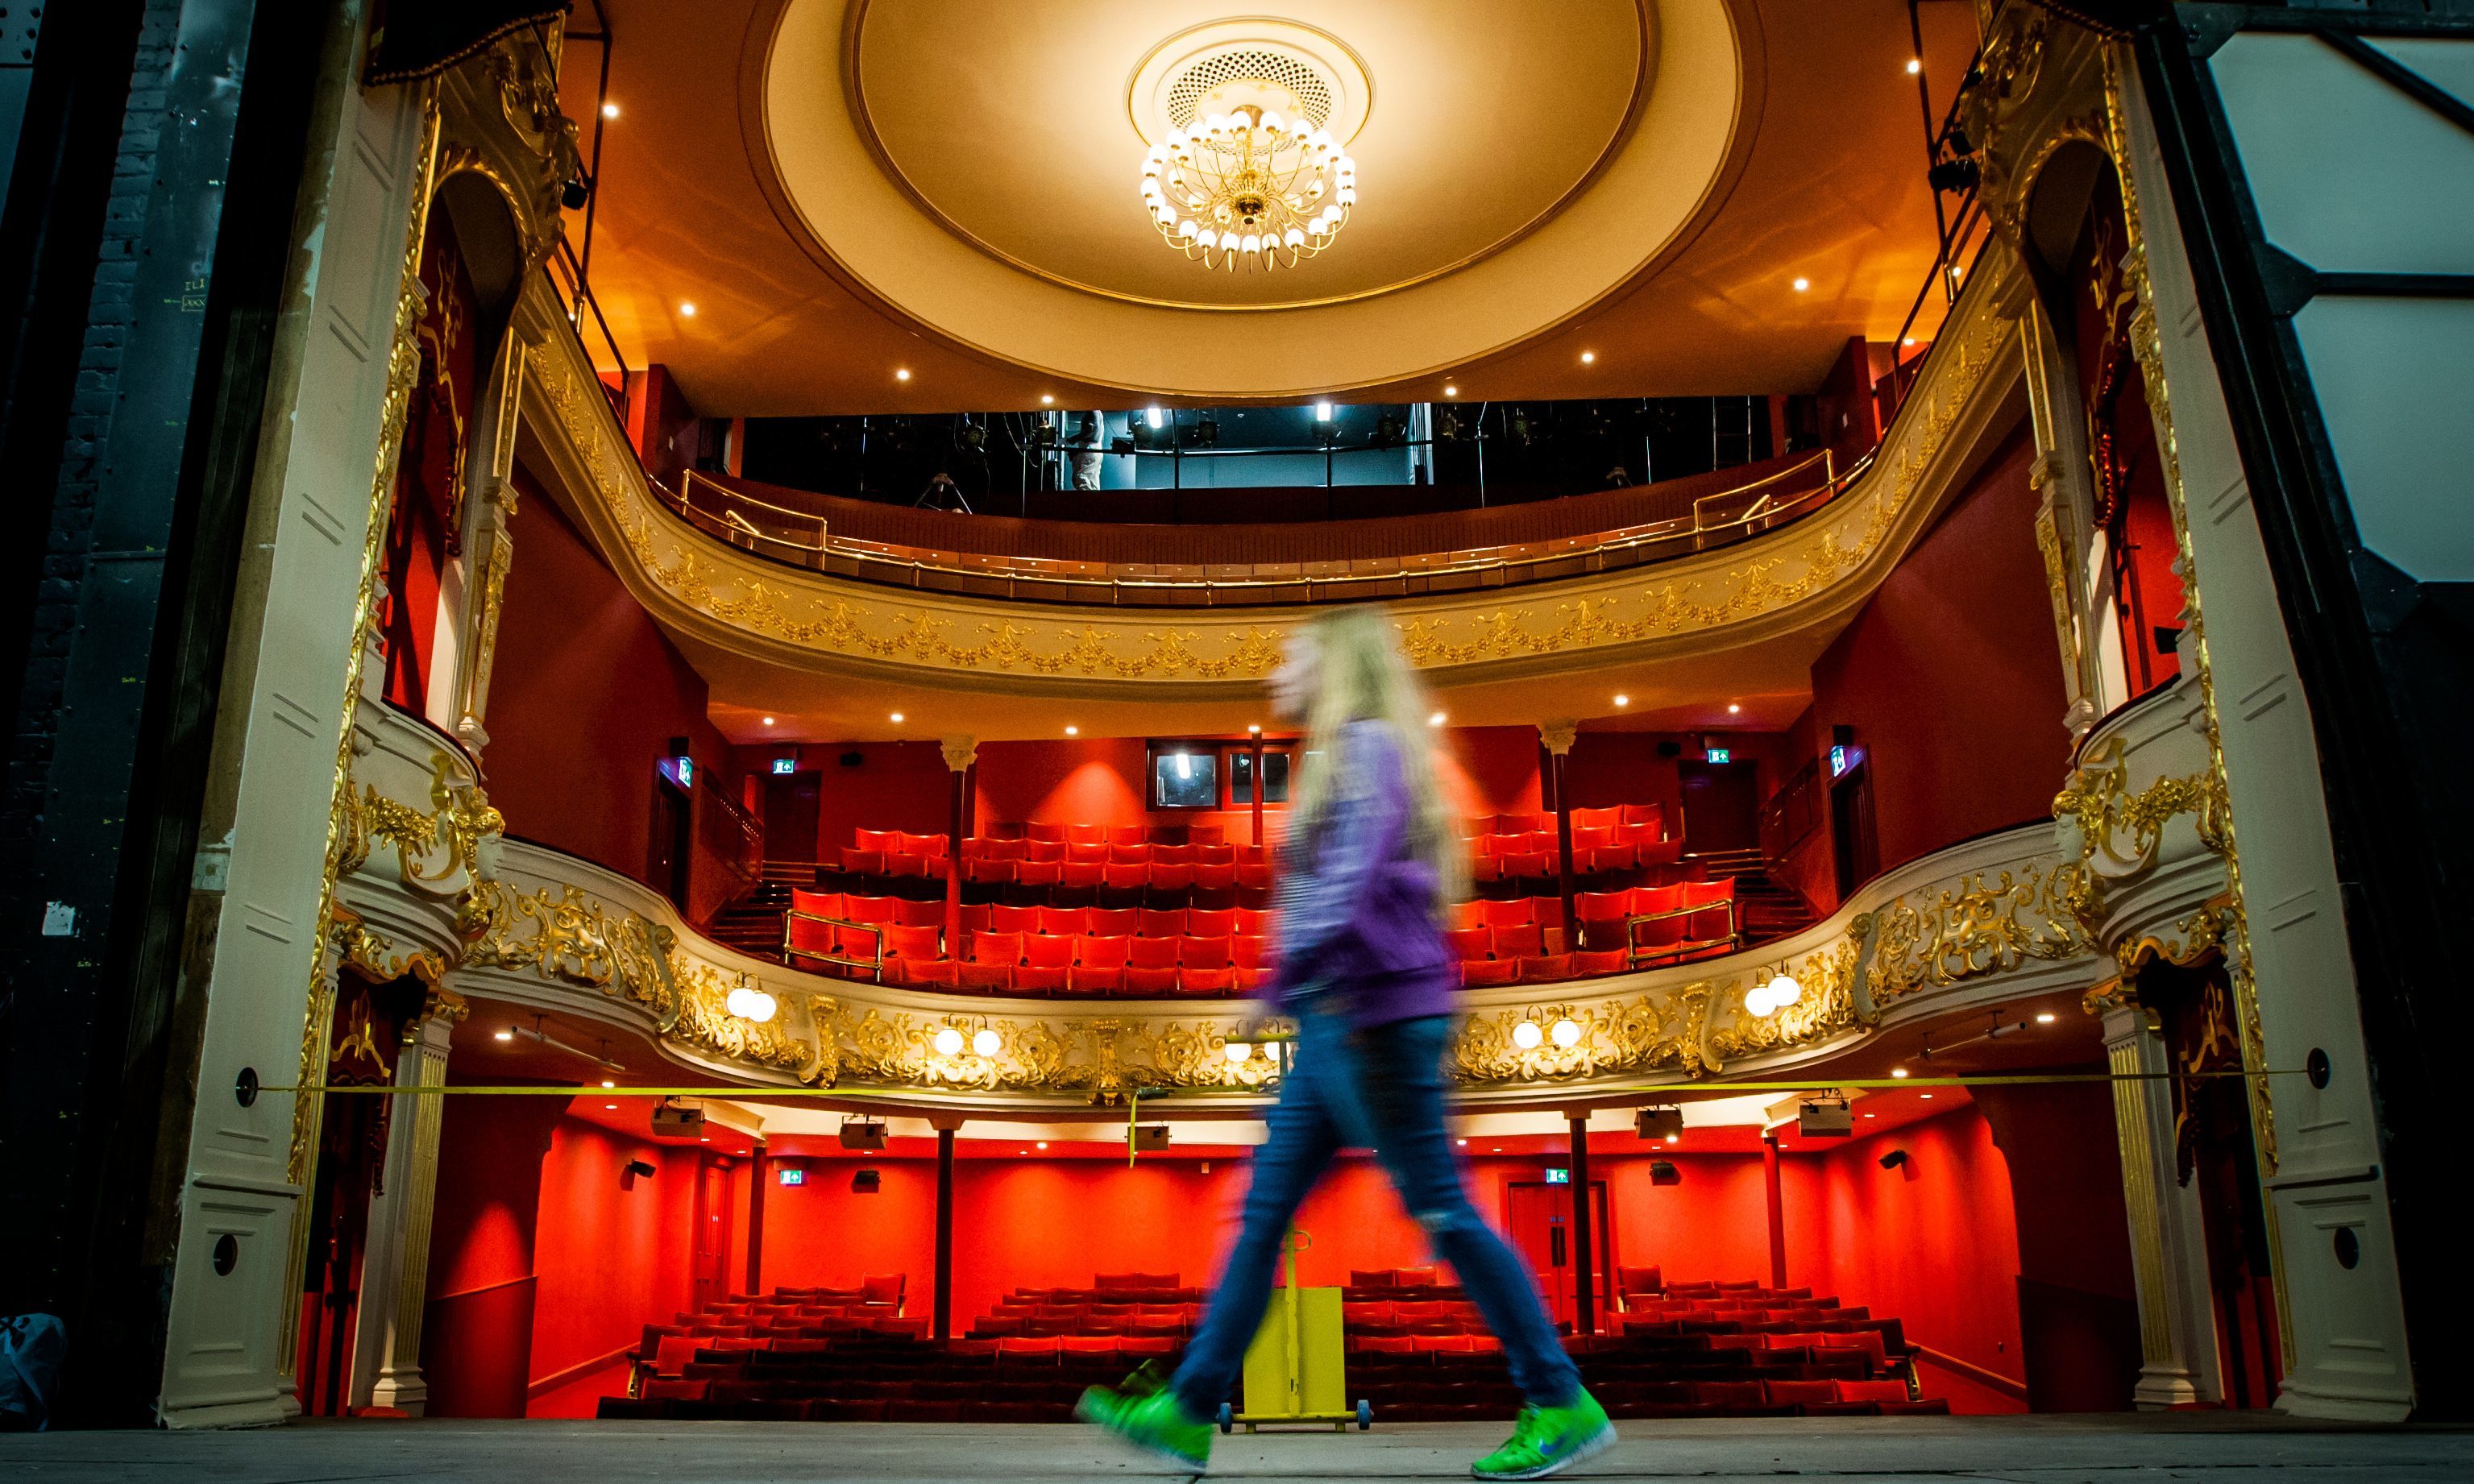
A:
x: 1850, y: 1451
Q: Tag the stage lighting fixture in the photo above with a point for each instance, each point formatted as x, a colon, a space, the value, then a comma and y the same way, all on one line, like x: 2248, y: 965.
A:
x: 678, y: 1118
x: 1659, y: 1122
x: 1824, y: 1120
x: 863, y: 1134
x: 1150, y: 1137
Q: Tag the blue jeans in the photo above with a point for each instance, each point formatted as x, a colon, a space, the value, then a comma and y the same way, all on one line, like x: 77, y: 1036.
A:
x: 1380, y: 1089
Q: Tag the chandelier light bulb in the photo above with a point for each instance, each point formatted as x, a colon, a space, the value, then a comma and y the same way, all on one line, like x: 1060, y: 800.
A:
x: 749, y: 1003
x: 1566, y: 1032
x: 1253, y: 187
x: 1758, y: 1002
x: 1785, y: 991
x: 1527, y: 1036
x: 948, y: 1042
x: 986, y: 1042
x: 1237, y: 1051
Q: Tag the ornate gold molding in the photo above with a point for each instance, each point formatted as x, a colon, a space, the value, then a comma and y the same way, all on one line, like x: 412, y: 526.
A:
x: 1935, y: 939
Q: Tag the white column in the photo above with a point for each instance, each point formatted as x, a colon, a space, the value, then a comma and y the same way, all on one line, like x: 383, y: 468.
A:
x: 395, y: 1261
x: 2168, y: 1255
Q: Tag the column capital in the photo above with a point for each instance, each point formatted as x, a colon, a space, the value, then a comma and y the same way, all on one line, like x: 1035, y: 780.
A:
x: 959, y: 751
x: 945, y: 1123
x: 1557, y: 735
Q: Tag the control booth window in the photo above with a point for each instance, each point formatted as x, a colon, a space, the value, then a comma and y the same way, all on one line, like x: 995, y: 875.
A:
x: 1184, y: 777
x: 1241, y: 776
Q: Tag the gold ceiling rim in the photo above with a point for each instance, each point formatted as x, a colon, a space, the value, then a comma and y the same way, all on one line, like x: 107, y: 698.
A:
x: 855, y: 96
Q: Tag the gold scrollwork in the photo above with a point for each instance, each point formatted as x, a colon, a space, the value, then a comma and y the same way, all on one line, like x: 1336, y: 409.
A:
x: 1979, y: 926
x: 2097, y: 815
x: 569, y: 938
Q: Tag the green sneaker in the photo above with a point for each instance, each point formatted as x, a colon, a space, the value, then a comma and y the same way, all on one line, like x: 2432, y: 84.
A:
x: 1153, y: 1421
x: 1548, y: 1440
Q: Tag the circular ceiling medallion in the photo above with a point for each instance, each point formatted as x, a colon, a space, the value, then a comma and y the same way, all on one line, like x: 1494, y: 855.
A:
x: 1296, y: 69
x: 954, y: 162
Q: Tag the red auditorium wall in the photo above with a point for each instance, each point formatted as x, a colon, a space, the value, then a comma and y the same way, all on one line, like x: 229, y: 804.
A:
x: 1950, y: 677
x: 612, y: 1255
x: 477, y: 1326
x: 1933, y: 1241
x: 585, y: 695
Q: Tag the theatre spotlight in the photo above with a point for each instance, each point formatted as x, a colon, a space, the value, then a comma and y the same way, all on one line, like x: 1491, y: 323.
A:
x: 1659, y: 1123
x: 863, y: 1134
x: 1150, y: 1137
x: 1824, y: 1120
x: 1894, y: 1159
x: 679, y: 1119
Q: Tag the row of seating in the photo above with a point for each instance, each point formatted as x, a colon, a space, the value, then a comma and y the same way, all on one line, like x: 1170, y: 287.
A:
x: 1203, y: 833
x: 1137, y: 852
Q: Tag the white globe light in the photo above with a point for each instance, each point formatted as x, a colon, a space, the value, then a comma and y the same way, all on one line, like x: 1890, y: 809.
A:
x: 1785, y: 991
x: 749, y: 1004
x: 948, y: 1042
x: 1758, y: 1002
x: 1566, y: 1032
x: 987, y: 1042
x: 1237, y: 1051
x: 1526, y: 1035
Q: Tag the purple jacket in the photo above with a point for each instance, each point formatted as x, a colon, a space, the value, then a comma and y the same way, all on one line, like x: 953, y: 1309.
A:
x: 1358, y: 917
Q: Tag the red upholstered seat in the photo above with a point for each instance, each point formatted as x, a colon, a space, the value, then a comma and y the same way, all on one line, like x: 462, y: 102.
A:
x: 987, y: 978
x: 1080, y: 872
x: 1478, y: 974
x: 1249, y: 981
x: 929, y: 973
x: 1663, y: 931
x: 1207, y: 834
x: 911, y: 942
x: 674, y: 1390
x: 1196, y: 953
x: 1643, y: 1281
x: 1206, y: 981
x: 1172, y: 855
x: 1171, y: 878
x: 861, y: 863
x: 1013, y: 1345
x: 1588, y: 965
x: 1799, y: 1393
x: 1045, y: 851
x: 1152, y: 953
x: 1870, y: 1391
x: 1527, y: 865
x: 1001, y: 850
x: 918, y: 914
x: 988, y: 870
x: 674, y: 1353
x: 1113, y: 922
x: 1129, y: 834
x: 1719, y: 922
x: 1150, y: 983
x: 1728, y: 1394
x: 1504, y: 914
x: 1047, y: 952
x: 1597, y: 818
x: 1096, y: 953
x: 1044, y: 833
x: 930, y: 845
x: 883, y: 841
x: 1607, y: 858
x: 1156, y: 923
x: 1034, y: 979
x: 1215, y: 853
x: 1526, y: 941
x: 1007, y: 918
x: 1038, y: 873
x: 1079, y: 852
x: 1125, y: 877
x: 1214, y: 876
x: 996, y: 949
x: 1083, y: 979
x: 1254, y: 875
x: 1470, y: 942
x: 884, y: 1290
x: 1867, y: 1343
x: 1138, y: 854
x: 1087, y: 834
x: 1211, y: 921
x: 1245, y: 950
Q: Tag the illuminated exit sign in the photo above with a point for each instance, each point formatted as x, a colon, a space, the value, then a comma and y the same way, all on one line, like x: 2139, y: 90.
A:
x: 794, y: 1176
x: 1721, y: 754
x: 1559, y: 1177
x: 786, y: 765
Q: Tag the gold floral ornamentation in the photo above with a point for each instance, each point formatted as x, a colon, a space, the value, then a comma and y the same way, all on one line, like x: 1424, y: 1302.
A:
x: 1826, y: 1008
x: 370, y: 953
x: 1104, y: 1059
x: 460, y: 820
x: 1979, y: 926
x: 704, y: 1023
x: 569, y: 938
x: 2096, y: 815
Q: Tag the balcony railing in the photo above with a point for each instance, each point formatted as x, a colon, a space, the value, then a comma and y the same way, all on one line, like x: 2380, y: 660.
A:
x: 805, y: 538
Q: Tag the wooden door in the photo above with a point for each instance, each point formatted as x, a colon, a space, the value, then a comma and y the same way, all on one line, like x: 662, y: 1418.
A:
x: 711, y: 1235
x: 1720, y: 812
x: 790, y: 805
x: 1540, y: 1223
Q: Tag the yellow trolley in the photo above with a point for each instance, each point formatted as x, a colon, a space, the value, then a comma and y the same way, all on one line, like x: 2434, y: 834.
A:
x: 1297, y: 1369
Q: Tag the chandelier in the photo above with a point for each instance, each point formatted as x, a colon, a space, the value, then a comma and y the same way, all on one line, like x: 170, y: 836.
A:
x: 1250, y: 187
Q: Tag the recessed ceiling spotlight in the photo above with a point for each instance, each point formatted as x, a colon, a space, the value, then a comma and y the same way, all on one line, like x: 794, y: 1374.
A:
x: 1733, y: 708
x: 1623, y: 701
x: 1046, y: 401
x: 607, y: 1083
x: 1927, y: 1096
x: 1802, y: 284
x: 1897, y: 1071
x: 768, y: 721
x: 897, y: 718
x: 901, y: 373
x: 2044, y: 1018
x: 1871, y: 1115
x: 1254, y: 728
x: 1451, y: 391
x: 1589, y: 357
x: 1043, y: 1143
x: 1464, y: 1143
x: 1072, y: 731
x: 687, y: 310
x: 1914, y: 66
x: 1435, y: 720
x: 1909, y: 341
x: 502, y: 1034
x: 609, y: 111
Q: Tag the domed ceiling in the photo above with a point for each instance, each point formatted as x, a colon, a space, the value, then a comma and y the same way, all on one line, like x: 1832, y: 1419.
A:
x: 802, y: 199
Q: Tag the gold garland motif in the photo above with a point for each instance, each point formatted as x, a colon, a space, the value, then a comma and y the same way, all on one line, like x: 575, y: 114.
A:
x: 1936, y: 939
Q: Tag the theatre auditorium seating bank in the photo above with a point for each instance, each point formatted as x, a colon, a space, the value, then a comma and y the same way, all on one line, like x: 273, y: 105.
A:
x: 1416, y: 1352
x: 1144, y: 918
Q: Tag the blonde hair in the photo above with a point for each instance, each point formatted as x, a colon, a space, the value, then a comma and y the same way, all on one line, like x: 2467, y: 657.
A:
x: 1363, y: 676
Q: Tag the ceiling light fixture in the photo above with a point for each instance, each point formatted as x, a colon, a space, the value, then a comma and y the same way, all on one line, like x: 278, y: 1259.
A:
x: 609, y: 111
x: 1072, y: 731
x: 1802, y: 284
x: 948, y: 1042
x: 987, y: 1042
x: 1254, y: 185
x: 687, y: 310
x: 1589, y: 357
x: 1451, y: 391
x: 768, y: 721
x: 1733, y: 708
x: 1435, y: 720
x: 1914, y: 66
x: 897, y: 718
x: 607, y: 1083
x: 2044, y: 1018
x: 1897, y: 1071
x: 749, y: 1003
x: 1046, y: 401
x: 503, y: 1035
x: 1623, y: 701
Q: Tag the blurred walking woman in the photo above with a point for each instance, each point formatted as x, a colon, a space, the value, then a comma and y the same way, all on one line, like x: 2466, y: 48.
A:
x: 1367, y: 869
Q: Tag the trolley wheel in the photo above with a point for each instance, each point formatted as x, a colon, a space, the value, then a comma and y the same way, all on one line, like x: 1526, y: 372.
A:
x: 1227, y: 1417
x: 1365, y: 1414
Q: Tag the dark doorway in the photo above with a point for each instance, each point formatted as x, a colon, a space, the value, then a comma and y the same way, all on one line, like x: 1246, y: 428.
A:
x: 1540, y: 1223
x: 673, y: 842
x: 1720, y: 812
x: 1853, y: 846
x: 790, y: 802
